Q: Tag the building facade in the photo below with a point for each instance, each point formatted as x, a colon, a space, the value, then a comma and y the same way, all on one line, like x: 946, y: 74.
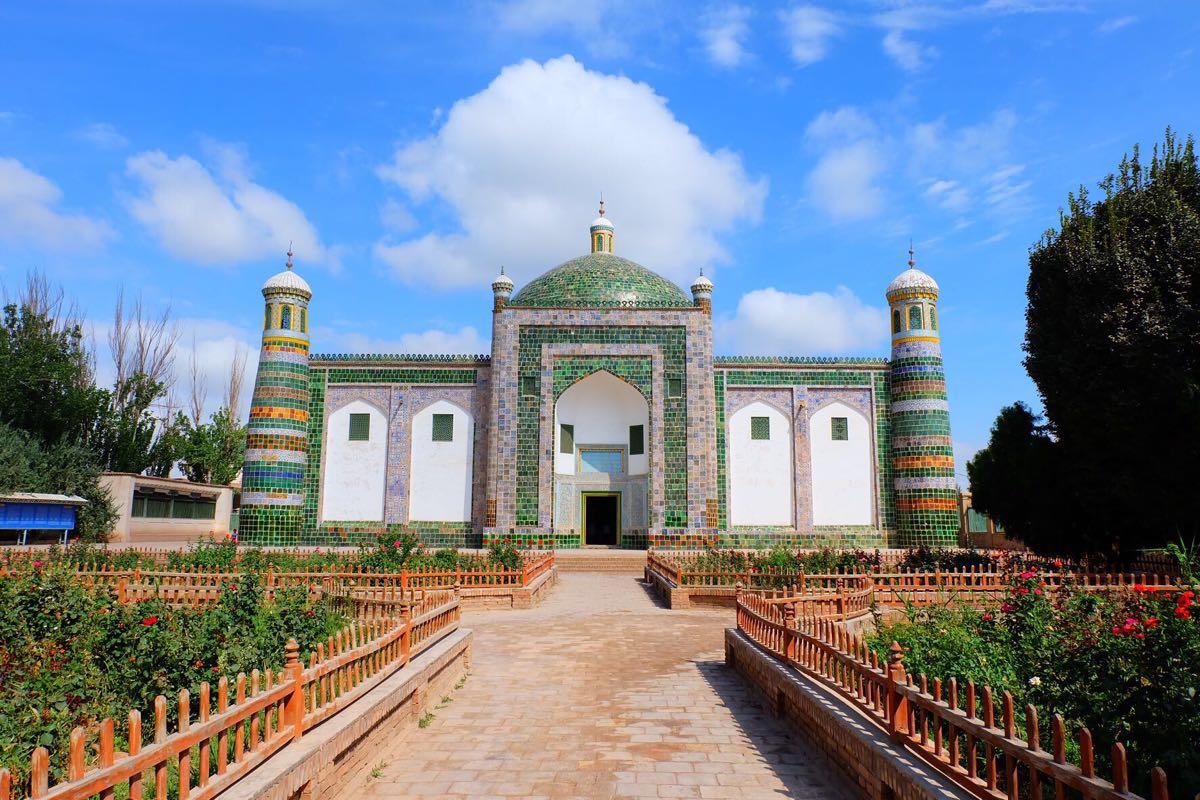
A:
x: 601, y: 417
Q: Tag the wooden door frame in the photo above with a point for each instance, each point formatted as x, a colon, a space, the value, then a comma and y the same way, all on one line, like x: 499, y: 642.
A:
x: 583, y: 498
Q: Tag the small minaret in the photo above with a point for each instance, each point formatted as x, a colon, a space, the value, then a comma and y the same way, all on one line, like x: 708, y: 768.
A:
x: 926, y: 493
x: 702, y: 289
x: 602, y: 233
x: 277, y: 431
x: 502, y: 288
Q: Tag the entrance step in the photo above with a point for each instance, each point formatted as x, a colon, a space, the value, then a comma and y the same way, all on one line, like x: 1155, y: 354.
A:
x: 600, y: 559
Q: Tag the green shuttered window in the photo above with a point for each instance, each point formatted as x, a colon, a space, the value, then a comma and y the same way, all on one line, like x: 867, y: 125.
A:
x: 360, y: 427
x: 760, y: 427
x: 674, y: 387
x: 443, y: 427
x: 839, y: 428
x: 566, y: 438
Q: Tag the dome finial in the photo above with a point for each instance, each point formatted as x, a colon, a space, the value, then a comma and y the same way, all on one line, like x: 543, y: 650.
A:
x: 602, y: 204
x: 912, y: 262
x: 289, y: 255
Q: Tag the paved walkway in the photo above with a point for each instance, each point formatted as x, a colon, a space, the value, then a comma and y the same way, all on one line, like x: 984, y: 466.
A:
x: 601, y: 693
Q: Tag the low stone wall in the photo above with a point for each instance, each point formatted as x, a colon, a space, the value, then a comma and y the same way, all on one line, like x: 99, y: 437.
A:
x: 510, y: 596
x: 853, y: 743
x: 325, y: 762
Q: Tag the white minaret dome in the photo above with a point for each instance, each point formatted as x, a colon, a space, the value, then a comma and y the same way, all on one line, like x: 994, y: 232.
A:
x: 912, y: 279
x: 502, y: 284
x: 702, y: 283
x: 287, y: 281
x: 602, y: 221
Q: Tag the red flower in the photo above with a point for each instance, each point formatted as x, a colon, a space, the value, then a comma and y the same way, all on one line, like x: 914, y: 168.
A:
x: 37, y: 565
x: 1058, y: 562
x: 1116, y: 631
x: 987, y: 617
x: 396, y: 543
x: 199, y: 664
x: 1027, y: 574
x: 216, y: 669
x: 1024, y: 590
x: 1037, y: 591
x: 148, y: 621
x: 1151, y: 622
x: 1182, y: 612
x: 1006, y: 608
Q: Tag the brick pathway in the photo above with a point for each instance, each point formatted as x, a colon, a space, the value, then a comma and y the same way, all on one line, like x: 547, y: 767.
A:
x: 600, y: 693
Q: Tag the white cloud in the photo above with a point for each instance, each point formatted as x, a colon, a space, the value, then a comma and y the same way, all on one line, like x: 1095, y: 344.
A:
x: 844, y: 182
x: 908, y: 54
x: 102, y: 135
x: 1115, y: 24
x: 808, y: 30
x: 464, y: 341
x: 604, y: 29
x: 950, y: 195
x: 29, y: 213
x: 769, y: 321
x: 847, y: 123
x: 395, y: 216
x: 221, y: 218
x: 724, y: 35
x: 523, y: 162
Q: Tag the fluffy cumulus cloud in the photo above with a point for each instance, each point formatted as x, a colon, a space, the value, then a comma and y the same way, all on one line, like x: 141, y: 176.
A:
x: 523, y: 162
x: 217, y: 216
x: 769, y: 321
x: 809, y: 31
x: 724, y: 32
x: 910, y: 55
x: 30, y: 213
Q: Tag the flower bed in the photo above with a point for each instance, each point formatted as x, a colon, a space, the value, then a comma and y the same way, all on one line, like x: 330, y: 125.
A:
x: 1123, y: 663
x: 71, y: 655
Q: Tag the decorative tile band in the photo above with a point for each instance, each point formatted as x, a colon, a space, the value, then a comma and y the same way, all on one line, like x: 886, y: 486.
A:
x: 927, y: 483
x: 928, y: 404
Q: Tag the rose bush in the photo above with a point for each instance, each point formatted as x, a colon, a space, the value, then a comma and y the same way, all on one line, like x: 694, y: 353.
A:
x: 1125, y: 664
x: 70, y: 655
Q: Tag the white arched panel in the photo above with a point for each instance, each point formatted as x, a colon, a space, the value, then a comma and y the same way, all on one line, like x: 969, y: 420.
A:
x: 761, y: 484
x: 841, y: 468
x: 355, y: 471
x: 441, y: 470
x: 601, y: 408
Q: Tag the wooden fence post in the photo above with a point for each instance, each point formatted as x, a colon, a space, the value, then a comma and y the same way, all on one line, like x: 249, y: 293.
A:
x: 789, y: 623
x: 897, y: 701
x: 406, y: 637
x: 294, y: 673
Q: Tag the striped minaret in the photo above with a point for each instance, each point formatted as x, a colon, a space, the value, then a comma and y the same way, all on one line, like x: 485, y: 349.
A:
x: 277, y: 433
x: 922, y: 453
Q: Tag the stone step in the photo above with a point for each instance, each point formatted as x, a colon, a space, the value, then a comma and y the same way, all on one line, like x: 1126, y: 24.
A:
x: 600, y: 560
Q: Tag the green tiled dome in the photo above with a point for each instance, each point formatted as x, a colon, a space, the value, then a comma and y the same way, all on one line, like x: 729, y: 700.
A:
x: 600, y: 280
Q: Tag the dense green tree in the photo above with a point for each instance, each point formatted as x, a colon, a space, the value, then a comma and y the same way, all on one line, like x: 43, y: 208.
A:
x: 46, y: 383
x: 211, y: 452
x: 27, y: 465
x: 1113, y: 345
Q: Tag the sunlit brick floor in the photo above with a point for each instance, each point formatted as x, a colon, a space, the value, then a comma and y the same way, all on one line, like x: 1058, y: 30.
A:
x: 600, y: 693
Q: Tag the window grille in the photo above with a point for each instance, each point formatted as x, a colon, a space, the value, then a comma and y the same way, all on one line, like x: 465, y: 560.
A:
x: 443, y: 427
x: 637, y: 440
x: 360, y: 427
x: 839, y: 428
x: 760, y: 427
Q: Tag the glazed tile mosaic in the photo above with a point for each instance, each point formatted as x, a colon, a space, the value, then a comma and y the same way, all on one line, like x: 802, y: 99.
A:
x: 463, y: 451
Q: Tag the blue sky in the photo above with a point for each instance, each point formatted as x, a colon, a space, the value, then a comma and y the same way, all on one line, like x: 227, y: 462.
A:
x: 173, y: 151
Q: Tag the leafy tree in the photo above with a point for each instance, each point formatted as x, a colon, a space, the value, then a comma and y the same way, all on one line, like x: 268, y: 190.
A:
x: 45, y: 376
x: 26, y: 465
x: 211, y: 452
x: 1113, y: 345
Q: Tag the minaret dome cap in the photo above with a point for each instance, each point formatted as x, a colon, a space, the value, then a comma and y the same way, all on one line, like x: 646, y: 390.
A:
x: 287, y: 281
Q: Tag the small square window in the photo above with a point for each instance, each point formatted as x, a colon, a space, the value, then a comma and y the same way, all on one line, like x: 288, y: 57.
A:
x: 443, y: 427
x: 637, y: 440
x: 760, y: 427
x: 360, y: 427
x: 674, y: 387
x: 529, y: 386
x: 566, y: 438
x: 839, y: 428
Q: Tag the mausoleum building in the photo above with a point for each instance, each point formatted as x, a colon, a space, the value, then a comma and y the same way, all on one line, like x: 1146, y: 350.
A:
x: 601, y: 417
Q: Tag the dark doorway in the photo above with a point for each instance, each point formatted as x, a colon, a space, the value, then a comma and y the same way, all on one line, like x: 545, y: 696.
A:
x: 600, y: 514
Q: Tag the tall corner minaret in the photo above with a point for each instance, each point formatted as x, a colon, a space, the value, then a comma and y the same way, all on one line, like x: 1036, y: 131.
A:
x: 277, y: 432
x: 602, y: 233
x: 926, y: 494
x: 702, y: 291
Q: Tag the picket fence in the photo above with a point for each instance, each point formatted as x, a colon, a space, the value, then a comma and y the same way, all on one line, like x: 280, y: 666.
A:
x: 896, y: 587
x: 955, y: 729
x: 253, y: 718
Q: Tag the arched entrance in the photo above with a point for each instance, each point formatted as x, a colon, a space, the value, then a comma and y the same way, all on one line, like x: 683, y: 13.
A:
x: 601, y: 459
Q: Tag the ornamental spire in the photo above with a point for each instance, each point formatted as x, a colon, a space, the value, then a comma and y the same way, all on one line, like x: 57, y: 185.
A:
x: 289, y: 255
x: 912, y: 262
